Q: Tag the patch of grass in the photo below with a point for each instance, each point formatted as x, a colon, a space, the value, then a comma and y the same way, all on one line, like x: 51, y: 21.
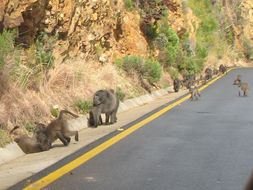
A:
x: 150, y: 69
x: 4, y: 138
x: 55, y: 111
x: 129, y: 5
x: 83, y: 106
x: 30, y: 127
x: 120, y: 94
x: 44, y: 50
x: 173, y: 73
x: 7, y: 39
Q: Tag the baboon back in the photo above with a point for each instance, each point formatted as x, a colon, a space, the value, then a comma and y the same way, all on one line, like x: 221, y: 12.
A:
x: 176, y: 85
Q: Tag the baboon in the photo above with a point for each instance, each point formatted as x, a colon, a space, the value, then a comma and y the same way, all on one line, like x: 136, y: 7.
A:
x: 243, y: 86
x: 58, y: 128
x: 189, y: 80
x: 237, y: 80
x: 194, y: 91
x: 176, y: 84
x: 215, y: 71
x: 27, y: 144
x: 104, y: 101
x: 223, y: 69
x: 208, y: 74
x: 249, y: 184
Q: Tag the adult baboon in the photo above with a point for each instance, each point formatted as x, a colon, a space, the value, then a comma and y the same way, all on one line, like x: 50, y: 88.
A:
x: 208, y: 74
x: 237, y: 80
x: 104, y: 101
x: 194, y: 91
x: 243, y: 86
x: 26, y: 143
x: 176, y: 84
x: 223, y: 69
x: 189, y: 80
x: 58, y: 128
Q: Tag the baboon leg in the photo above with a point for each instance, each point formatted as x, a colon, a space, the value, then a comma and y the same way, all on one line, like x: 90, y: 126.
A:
x: 239, y: 93
x: 61, y: 137
x: 100, y: 120
x: 113, y: 117
x: 107, y: 118
x: 72, y: 133
x: 67, y: 138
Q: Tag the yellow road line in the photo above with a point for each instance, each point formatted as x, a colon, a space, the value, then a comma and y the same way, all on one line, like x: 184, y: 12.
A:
x: 43, y: 182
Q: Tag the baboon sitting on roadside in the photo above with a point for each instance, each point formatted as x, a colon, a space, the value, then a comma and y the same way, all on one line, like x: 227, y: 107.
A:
x: 176, y: 84
x: 243, y: 86
x: 208, y: 74
x: 58, y: 128
x: 26, y: 143
x: 223, y: 69
x: 194, y: 91
x: 104, y: 101
x: 237, y: 80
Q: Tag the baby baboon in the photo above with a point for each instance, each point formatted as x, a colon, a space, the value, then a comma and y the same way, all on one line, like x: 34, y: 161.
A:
x: 27, y: 144
x: 243, y: 86
x: 237, y: 80
x: 223, y: 69
x: 58, y: 128
x: 194, y: 91
x: 104, y: 101
x: 176, y: 84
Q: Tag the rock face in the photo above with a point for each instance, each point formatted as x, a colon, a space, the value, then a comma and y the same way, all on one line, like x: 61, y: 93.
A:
x: 86, y: 27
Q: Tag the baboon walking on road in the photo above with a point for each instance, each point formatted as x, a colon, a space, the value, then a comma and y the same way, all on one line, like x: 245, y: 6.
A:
x: 27, y: 144
x: 244, y: 87
x: 194, y: 91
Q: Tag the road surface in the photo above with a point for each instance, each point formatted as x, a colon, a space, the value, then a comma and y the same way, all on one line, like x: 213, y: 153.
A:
x: 198, y: 145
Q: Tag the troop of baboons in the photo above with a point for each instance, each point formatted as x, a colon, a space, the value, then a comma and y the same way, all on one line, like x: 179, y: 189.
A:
x: 104, y: 102
x: 191, y: 81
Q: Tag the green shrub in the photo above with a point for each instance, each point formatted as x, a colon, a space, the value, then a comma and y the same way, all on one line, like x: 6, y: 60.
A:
x: 168, y: 43
x: 153, y: 70
x: 83, y: 106
x: 4, y: 137
x: 120, y: 93
x: 44, y: 50
x: 30, y: 127
x: 129, y: 5
x: 7, y: 39
x: 248, y: 49
x: 173, y: 73
x: 55, y: 111
x: 149, y: 68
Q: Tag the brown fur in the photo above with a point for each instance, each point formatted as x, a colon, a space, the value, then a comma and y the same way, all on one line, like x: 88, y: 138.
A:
x: 27, y: 144
x: 194, y: 91
x: 58, y: 128
x: 243, y: 86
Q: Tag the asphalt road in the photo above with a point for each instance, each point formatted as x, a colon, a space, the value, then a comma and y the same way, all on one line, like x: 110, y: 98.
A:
x: 199, y: 145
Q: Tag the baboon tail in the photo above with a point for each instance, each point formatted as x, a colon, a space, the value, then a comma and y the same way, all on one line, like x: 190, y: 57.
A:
x: 14, y: 128
x: 67, y: 112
